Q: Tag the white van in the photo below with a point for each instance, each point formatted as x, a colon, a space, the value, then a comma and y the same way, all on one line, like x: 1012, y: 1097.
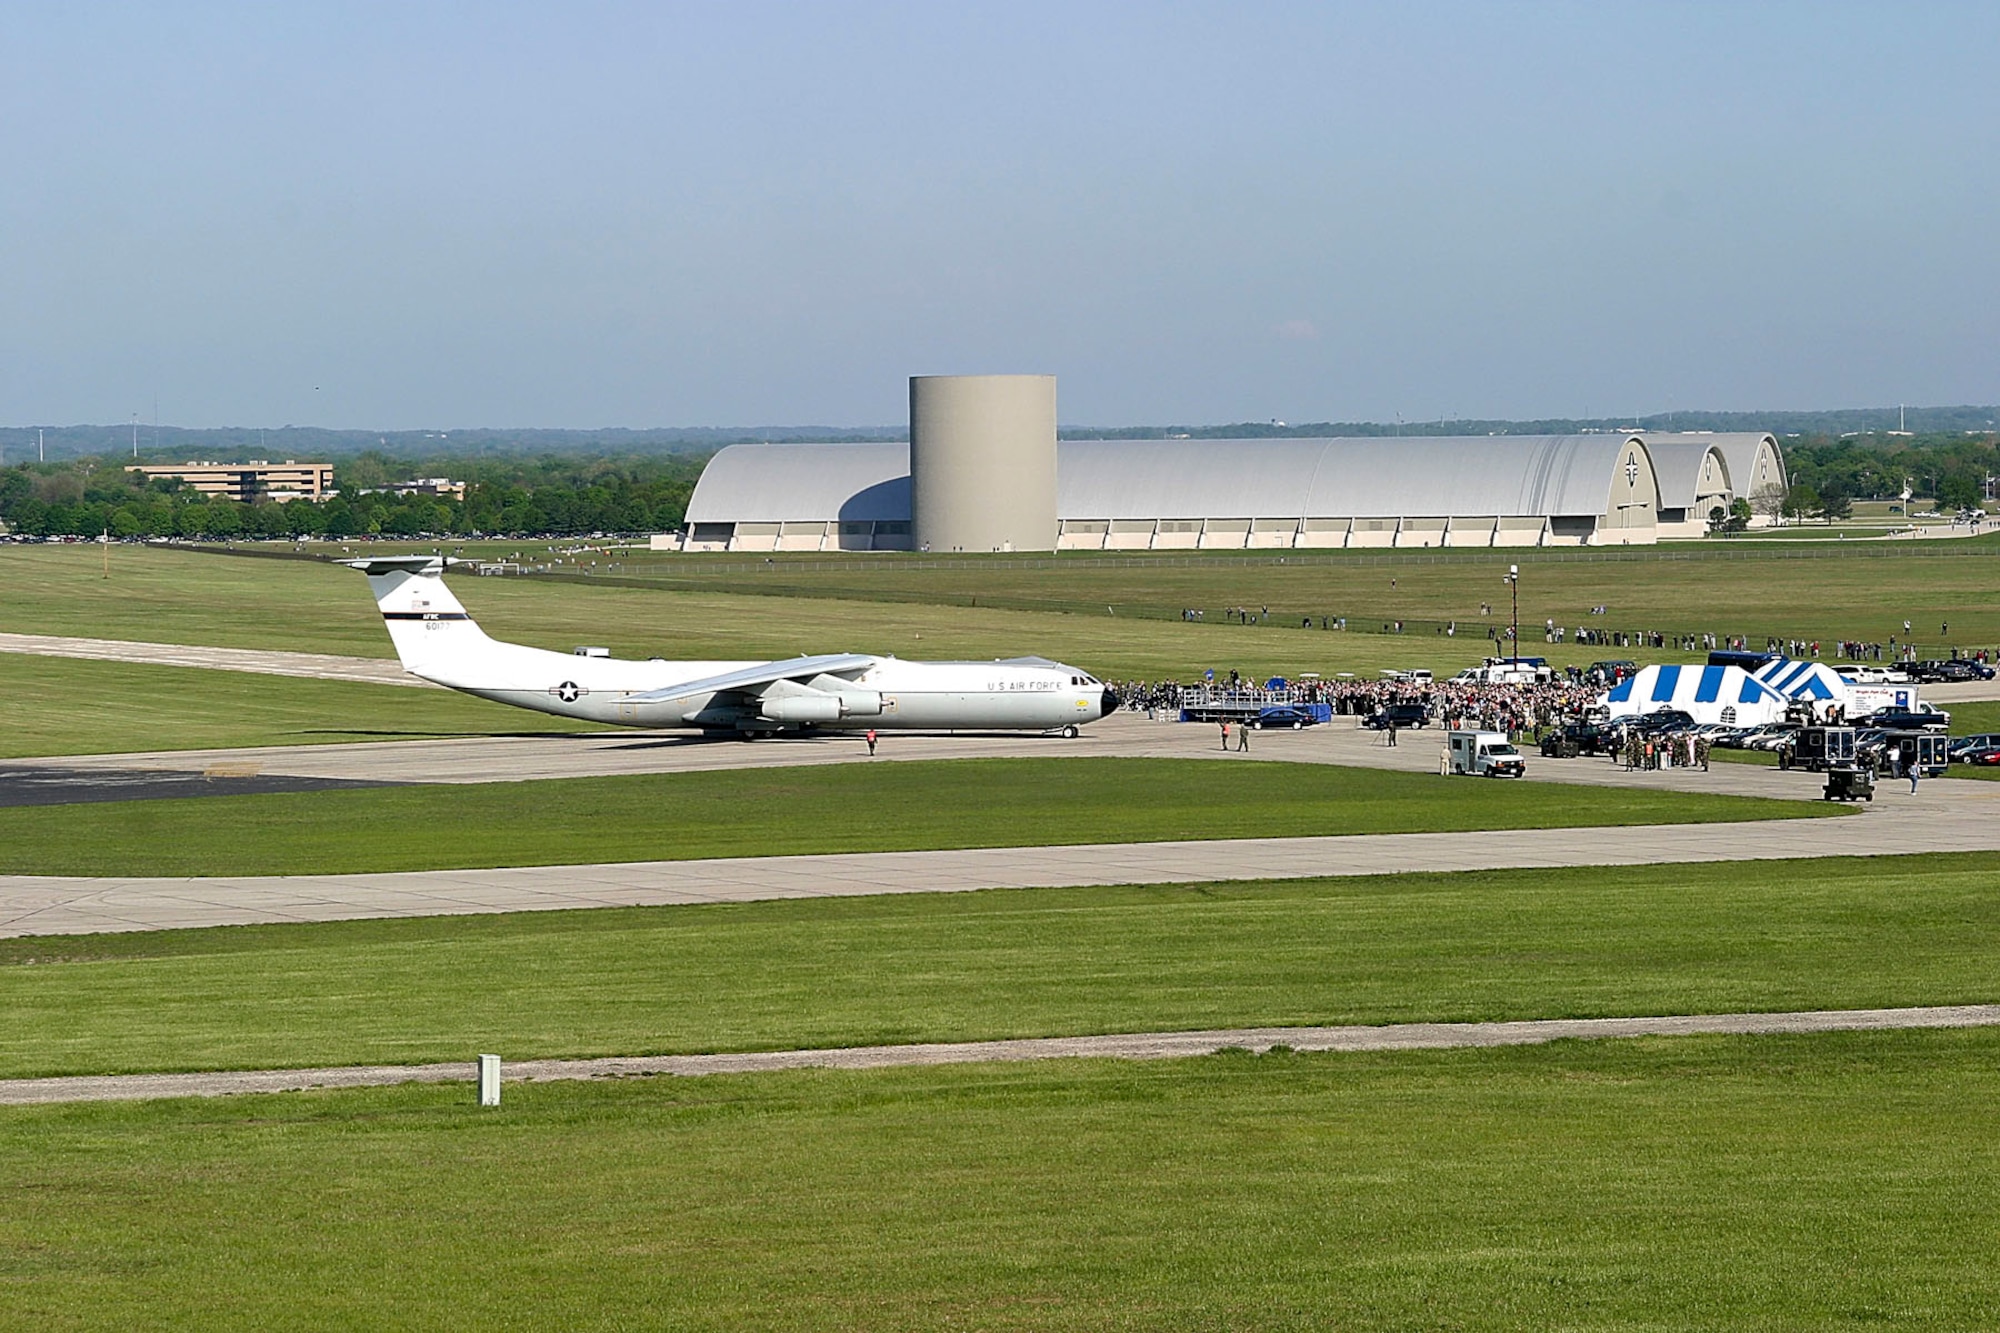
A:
x: 1483, y: 754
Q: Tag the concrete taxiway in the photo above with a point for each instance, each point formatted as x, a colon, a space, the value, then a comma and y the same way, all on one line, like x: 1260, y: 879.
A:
x: 1957, y: 815
x: 546, y: 756
x: 257, y: 661
x: 1943, y: 817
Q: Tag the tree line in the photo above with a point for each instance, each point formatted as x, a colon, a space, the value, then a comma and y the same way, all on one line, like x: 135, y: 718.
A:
x: 548, y: 496
x: 1828, y: 474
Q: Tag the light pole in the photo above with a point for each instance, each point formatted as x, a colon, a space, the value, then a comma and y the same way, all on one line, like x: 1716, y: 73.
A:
x: 1514, y: 586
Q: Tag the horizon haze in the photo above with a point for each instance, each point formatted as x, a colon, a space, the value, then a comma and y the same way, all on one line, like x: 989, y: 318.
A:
x: 393, y: 217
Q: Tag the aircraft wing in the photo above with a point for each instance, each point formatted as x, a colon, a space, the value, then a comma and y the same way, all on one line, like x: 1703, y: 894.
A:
x: 408, y: 564
x: 750, y: 678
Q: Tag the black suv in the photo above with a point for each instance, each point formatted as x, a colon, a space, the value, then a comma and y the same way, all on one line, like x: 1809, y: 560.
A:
x: 1666, y: 721
x: 1398, y: 716
x: 1949, y: 671
x: 1577, y: 738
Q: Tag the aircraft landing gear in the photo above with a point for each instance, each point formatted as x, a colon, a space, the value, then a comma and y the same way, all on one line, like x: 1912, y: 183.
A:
x: 1070, y: 733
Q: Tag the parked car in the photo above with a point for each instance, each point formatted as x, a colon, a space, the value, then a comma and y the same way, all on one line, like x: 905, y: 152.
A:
x: 1950, y: 670
x: 1982, y: 740
x: 1285, y: 715
x: 1398, y: 716
x: 1665, y: 722
x: 1856, y: 673
x: 1770, y: 736
x: 1982, y: 756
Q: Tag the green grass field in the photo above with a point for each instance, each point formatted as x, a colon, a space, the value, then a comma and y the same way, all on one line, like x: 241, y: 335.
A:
x: 913, y: 806
x: 1833, y: 1182
x: 1115, y: 616
x: 1826, y: 1182
x: 1815, y: 591
x: 56, y: 705
x: 1842, y: 933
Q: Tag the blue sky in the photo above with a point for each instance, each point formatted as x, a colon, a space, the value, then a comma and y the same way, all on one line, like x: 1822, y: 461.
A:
x: 405, y: 215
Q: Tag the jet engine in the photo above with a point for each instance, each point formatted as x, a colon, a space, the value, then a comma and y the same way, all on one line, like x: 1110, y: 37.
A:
x: 820, y: 706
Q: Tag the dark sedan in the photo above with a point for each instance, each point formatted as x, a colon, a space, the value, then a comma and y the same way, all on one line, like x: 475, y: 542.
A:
x: 1285, y: 715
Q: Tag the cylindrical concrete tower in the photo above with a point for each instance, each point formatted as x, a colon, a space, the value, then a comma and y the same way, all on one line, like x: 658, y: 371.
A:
x: 983, y: 462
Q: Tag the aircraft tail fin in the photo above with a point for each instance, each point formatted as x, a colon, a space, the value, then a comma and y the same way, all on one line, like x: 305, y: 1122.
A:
x: 429, y: 627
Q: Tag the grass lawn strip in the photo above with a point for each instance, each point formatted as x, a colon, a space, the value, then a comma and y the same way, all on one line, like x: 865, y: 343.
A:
x: 60, y: 705
x: 1713, y: 1183
x: 895, y: 606
x: 1850, y: 933
x: 915, y: 806
x: 1122, y: 1046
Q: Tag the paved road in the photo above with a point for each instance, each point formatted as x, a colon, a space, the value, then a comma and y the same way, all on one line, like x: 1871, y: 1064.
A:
x: 321, y: 666
x: 1969, y: 691
x: 1958, y: 816
x: 520, y: 758
x: 1120, y: 1046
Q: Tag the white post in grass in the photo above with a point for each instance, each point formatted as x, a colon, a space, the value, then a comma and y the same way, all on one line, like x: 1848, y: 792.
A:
x: 489, y: 1080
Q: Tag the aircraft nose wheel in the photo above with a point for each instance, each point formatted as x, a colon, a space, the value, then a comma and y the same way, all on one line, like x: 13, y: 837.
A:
x: 1070, y: 732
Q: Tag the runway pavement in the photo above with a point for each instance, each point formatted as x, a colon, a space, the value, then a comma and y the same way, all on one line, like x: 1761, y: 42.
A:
x: 319, y: 666
x: 519, y: 758
x: 1116, y: 1046
x: 1956, y: 816
x: 1959, y: 815
x: 1961, y: 692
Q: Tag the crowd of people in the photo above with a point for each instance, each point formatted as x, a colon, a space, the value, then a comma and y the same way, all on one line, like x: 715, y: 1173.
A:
x: 1452, y: 703
x: 1503, y: 636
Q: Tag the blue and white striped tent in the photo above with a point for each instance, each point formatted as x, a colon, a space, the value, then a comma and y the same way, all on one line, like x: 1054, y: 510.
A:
x: 1726, y: 694
x: 1797, y: 679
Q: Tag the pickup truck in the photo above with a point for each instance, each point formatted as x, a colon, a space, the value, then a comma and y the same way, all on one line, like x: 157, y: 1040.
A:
x: 1923, y: 717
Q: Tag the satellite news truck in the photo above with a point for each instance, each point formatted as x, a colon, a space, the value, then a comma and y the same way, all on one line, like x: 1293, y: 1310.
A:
x: 1508, y: 671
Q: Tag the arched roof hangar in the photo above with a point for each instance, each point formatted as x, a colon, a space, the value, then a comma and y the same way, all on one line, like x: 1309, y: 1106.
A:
x: 1589, y: 489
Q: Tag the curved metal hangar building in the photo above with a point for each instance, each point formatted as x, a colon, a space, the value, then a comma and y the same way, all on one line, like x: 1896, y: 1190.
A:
x: 1149, y: 495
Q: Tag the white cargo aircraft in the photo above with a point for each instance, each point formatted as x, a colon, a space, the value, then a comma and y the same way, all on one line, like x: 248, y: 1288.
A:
x: 438, y: 641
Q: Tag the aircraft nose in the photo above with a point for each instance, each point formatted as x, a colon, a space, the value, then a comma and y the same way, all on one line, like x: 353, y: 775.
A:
x: 1109, y: 704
